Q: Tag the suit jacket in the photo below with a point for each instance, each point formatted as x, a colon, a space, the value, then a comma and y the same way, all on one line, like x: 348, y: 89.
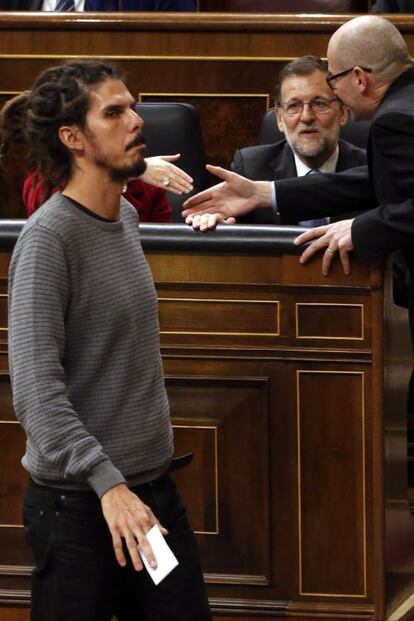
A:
x: 121, y: 5
x: 393, y: 6
x: 276, y: 161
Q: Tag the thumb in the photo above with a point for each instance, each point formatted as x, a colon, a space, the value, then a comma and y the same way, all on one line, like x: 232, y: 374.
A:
x: 222, y: 173
x: 170, y: 158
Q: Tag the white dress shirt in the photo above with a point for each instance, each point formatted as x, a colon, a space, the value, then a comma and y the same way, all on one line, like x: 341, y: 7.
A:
x: 50, y: 5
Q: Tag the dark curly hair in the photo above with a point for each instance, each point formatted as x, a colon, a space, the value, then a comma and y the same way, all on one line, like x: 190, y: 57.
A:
x: 60, y: 96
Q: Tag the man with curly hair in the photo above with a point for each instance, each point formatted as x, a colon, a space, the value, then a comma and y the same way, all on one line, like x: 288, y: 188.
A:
x: 87, y: 378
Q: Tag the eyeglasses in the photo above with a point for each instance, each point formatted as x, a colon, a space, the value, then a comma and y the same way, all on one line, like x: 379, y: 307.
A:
x: 319, y: 105
x: 331, y: 78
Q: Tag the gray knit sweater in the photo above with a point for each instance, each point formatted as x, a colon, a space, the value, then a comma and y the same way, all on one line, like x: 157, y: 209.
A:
x: 87, y: 377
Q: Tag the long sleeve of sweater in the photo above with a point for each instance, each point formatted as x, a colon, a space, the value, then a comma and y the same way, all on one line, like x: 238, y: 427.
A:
x: 39, y: 301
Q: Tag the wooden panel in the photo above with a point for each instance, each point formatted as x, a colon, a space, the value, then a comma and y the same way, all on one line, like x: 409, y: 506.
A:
x: 214, y: 316
x: 12, y: 475
x: 14, y: 614
x: 177, y: 268
x: 331, y: 495
x: 14, y: 551
x: 4, y: 268
x: 239, y: 551
x: 202, y: 474
x: 3, y: 311
x: 321, y: 320
x: 6, y: 405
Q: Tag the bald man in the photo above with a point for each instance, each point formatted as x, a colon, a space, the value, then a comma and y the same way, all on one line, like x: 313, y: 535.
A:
x: 372, y: 72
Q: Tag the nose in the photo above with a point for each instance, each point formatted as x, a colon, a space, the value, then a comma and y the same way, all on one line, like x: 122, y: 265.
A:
x: 137, y: 120
x: 307, y: 113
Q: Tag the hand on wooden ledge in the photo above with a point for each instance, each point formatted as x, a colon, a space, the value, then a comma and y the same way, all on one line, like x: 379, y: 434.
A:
x: 208, y: 221
x: 333, y: 238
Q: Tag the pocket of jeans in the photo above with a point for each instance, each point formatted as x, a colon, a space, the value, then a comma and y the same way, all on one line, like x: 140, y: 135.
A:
x: 38, y: 535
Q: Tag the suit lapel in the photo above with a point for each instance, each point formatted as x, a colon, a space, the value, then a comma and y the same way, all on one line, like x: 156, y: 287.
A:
x: 283, y: 166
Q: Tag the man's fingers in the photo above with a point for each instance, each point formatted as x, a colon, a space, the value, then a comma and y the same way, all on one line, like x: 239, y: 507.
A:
x: 346, y: 266
x: 131, y: 544
x: 327, y: 259
x: 179, y: 181
x: 118, y: 548
x: 190, y: 205
x: 144, y: 546
x: 317, y: 245
x: 310, y: 234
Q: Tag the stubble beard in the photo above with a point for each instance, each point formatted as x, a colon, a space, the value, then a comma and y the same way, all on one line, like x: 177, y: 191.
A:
x: 123, y: 173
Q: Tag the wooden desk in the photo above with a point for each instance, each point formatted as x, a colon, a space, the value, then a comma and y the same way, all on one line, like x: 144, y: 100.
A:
x: 276, y: 381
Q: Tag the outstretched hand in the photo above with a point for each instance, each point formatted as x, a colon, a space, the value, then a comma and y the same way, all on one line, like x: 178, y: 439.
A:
x: 235, y: 196
x: 162, y: 173
x: 129, y: 519
x: 335, y: 238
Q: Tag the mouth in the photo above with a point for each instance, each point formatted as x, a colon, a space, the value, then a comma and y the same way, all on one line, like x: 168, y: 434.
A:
x: 138, y: 141
x: 309, y: 132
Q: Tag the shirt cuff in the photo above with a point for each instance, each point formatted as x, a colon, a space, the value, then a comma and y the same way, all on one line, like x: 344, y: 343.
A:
x: 274, y: 201
x: 104, y: 476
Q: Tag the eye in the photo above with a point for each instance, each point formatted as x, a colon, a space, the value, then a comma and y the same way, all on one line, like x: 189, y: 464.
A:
x: 112, y: 113
x: 320, y: 104
x: 293, y: 106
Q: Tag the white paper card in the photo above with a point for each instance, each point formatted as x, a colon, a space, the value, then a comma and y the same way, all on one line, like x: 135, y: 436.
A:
x: 166, y: 560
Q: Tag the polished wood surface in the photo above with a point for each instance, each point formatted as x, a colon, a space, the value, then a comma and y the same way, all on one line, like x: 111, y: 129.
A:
x: 297, y: 490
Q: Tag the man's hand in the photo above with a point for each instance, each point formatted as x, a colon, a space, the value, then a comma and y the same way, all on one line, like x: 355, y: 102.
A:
x: 163, y: 174
x: 334, y: 237
x: 234, y: 197
x: 128, y: 518
x: 208, y: 221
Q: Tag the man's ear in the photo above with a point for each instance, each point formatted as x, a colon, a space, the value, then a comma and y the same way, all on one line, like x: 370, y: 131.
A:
x: 360, y: 79
x: 343, y: 114
x: 72, y: 137
x: 279, y: 120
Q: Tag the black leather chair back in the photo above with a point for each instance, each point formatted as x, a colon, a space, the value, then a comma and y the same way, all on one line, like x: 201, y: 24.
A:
x: 355, y: 132
x: 171, y: 128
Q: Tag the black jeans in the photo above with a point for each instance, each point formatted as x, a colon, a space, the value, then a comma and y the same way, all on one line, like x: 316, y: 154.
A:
x: 76, y: 576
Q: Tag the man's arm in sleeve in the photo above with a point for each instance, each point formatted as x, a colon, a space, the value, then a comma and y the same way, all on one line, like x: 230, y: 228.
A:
x: 390, y: 226
x: 327, y: 194
x: 38, y: 300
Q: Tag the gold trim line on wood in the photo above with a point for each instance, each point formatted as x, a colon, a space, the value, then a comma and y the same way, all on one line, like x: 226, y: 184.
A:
x: 364, y: 518
x: 222, y: 301
x: 266, y: 59
x: 214, y: 429
x: 330, y: 338
x: 9, y: 422
x: 11, y: 526
x: 245, y: 95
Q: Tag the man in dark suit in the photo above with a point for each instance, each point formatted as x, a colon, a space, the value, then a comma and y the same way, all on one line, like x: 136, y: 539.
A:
x: 99, y: 5
x: 310, y: 116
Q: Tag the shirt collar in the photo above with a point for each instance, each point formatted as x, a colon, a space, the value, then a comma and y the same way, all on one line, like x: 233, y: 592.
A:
x: 327, y: 167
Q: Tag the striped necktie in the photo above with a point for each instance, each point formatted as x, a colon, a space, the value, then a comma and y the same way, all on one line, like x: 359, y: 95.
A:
x: 316, y: 221
x: 65, y: 5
